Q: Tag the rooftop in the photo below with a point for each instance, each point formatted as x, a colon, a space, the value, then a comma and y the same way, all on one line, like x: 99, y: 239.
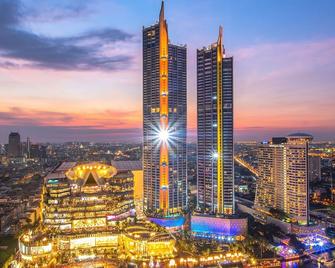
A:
x: 127, y: 165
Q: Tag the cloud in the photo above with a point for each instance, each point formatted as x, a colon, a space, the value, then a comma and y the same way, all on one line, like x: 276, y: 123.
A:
x: 80, y: 52
x: 282, y: 84
x: 105, y: 119
x: 287, y: 59
x: 55, y: 11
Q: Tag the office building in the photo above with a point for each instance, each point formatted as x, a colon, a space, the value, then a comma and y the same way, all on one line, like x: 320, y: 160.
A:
x: 14, y: 145
x: 283, y: 182
x: 164, y: 122
x: 215, y: 129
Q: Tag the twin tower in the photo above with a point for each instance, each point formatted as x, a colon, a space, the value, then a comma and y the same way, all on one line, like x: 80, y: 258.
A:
x: 165, y: 125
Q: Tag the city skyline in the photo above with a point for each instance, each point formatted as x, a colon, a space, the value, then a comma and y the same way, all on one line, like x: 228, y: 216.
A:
x: 99, y: 67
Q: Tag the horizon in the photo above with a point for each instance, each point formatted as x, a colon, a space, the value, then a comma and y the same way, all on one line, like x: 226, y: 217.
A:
x: 71, y: 71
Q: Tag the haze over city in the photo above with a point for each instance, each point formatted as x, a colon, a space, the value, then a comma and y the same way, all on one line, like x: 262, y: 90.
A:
x: 72, y: 70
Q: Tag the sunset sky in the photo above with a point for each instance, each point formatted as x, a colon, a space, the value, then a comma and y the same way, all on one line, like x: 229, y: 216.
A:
x: 72, y: 70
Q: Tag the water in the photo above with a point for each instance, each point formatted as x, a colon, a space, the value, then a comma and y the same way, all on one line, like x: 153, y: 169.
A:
x: 329, y: 255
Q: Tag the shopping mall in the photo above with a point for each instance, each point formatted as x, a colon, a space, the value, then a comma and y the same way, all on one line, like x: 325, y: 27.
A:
x: 87, y: 213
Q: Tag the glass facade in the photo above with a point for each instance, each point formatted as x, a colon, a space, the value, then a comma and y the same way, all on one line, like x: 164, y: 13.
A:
x: 164, y: 166
x: 215, y: 130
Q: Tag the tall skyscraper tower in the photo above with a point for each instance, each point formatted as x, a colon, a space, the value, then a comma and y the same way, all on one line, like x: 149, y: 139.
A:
x: 283, y: 176
x: 14, y: 145
x: 215, y: 129
x: 164, y: 121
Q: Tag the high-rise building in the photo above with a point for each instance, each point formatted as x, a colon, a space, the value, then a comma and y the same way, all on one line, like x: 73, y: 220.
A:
x: 215, y: 129
x: 164, y: 121
x: 28, y: 147
x: 314, y: 166
x: 283, y: 181
x: 215, y: 215
x: 14, y: 145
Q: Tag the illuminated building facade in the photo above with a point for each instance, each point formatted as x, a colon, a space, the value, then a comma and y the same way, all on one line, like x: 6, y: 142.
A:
x: 136, y: 168
x: 88, y: 215
x: 164, y: 122
x: 227, y: 229
x: 283, y: 177
x: 215, y: 216
x: 140, y: 240
x: 89, y: 195
x: 215, y: 129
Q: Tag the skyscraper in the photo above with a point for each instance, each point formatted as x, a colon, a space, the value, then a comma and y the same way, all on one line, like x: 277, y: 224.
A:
x: 215, y: 129
x: 28, y: 147
x: 283, y: 176
x: 164, y: 121
x: 14, y: 144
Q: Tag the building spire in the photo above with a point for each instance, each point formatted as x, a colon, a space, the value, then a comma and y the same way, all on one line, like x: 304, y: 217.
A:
x: 219, y: 43
x: 220, y: 36
x: 161, y: 13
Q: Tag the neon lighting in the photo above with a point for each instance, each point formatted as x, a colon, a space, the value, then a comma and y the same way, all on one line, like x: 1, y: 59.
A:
x: 214, y: 226
x: 53, y: 181
x: 169, y: 222
x: 164, y: 110
x: 220, y: 204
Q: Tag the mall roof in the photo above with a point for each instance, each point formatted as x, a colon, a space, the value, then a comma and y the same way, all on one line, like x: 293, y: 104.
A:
x: 127, y: 165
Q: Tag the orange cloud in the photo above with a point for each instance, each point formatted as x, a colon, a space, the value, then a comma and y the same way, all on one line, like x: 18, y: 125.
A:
x: 99, y: 120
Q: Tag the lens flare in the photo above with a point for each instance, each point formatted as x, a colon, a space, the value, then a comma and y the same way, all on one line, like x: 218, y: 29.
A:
x: 163, y: 135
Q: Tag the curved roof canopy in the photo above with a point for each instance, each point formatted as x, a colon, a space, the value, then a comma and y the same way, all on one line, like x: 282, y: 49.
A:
x: 91, y: 174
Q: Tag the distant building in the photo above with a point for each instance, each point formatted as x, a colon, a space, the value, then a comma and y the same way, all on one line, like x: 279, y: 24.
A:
x: 283, y: 182
x: 38, y: 151
x: 164, y: 122
x: 14, y: 145
x: 215, y: 129
x: 314, y: 167
x: 136, y: 168
x: 28, y: 147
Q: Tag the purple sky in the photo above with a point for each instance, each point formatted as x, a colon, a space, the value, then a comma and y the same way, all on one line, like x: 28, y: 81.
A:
x: 71, y: 70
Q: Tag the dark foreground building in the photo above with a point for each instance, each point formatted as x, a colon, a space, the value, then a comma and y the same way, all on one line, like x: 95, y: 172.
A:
x: 14, y: 145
